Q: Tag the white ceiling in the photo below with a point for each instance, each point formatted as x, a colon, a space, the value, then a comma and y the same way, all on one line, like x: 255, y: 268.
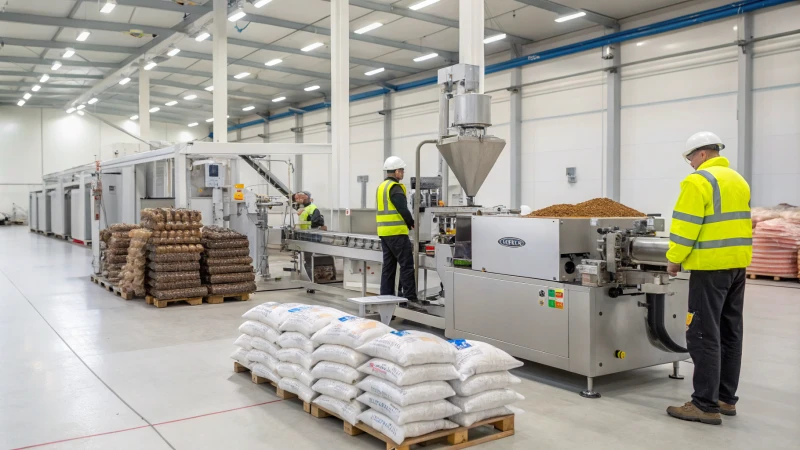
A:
x: 509, y: 16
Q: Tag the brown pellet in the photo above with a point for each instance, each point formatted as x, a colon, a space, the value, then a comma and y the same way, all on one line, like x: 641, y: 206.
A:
x: 598, y: 207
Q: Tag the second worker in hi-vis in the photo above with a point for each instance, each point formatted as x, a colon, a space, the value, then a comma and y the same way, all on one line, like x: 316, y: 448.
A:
x: 712, y: 237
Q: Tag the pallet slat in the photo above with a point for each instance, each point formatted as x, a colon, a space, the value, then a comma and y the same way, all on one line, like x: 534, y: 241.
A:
x: 284, y: 395
x: 193, y: 301
x: 217, y: 299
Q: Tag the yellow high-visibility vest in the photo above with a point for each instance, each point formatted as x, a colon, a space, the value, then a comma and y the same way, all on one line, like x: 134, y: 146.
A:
x: 304, y: 221
x: 711, y: 227
x: 390, y: 222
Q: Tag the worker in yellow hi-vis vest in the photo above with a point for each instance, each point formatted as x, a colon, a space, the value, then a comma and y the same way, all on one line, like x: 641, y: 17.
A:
x: 394, y: 220
x: 310, y: 216
x: 712, y: 236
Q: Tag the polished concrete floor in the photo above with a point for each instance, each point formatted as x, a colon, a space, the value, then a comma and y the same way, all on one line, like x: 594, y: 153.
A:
x: 83, y: 368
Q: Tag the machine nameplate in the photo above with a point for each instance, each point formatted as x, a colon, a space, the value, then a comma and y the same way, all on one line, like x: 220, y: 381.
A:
x: 511, y: 242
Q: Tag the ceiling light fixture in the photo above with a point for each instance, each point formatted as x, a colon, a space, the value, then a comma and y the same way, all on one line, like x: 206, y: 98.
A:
x: 134, y: 117
x: 44, y: 78
x: 279, y: 99
x: 150, y: 65
x: 71, y: 110
x: 21, y: 102
x: 311, y: 88
x: 241, y: 75
x: 56, y: 65
x: 26, y: 96
x: 374, y: 72
x: 570, y: 16
x: 209, y: 120
x: 248, y: 108
x: 369, y: 28
x: 124, y: 81
x: 36, y: 88
x: 80, y: 107
x: 236, y: 14
x: 84, y: 34
x: 193, y: 124
x: 69, y: 52
x: 108, y: 6
x: 172, y: 103
x: 92, y: 101
x: 173, y: 52
x: 273, y: 62
x: 260, y: 3
x: 202, y: 36
x: 308, y: 48
x: 425, y: 57
x: 190, y: 97
x: 155, y: 109
x: 80, y: 113
x: 639, y: 44
x: 210, y: 88
x: 495, y: 38
x: 422, y: 4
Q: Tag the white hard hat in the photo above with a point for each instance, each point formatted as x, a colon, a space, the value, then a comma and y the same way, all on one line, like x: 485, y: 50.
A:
x: 702, y: 139
x: 393, y: 163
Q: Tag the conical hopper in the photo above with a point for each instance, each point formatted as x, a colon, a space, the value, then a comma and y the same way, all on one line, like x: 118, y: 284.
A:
x: 471, y: 159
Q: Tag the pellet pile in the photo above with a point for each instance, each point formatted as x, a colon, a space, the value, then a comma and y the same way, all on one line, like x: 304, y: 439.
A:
x: 226, y: 266
x: 598, y: 207
x: 776, y: 242
x: 134, y: 271
x: 173, y: 253
x: 115, y: 254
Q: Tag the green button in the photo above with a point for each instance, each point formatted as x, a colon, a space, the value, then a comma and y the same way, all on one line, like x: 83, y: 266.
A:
x: 551, y: 303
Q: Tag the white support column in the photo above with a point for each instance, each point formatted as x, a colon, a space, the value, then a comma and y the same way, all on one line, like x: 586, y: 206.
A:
x: 612, y: 162
x: 127, y: 198
x: 515, y: 136
x: 340, y: 105
x: 744, y: 103
x: 144, y: 104
x: 387, y: 125
x: 181, y: 179
x: 470, y: 34
x: 220, y: 70
x: 298, y: 159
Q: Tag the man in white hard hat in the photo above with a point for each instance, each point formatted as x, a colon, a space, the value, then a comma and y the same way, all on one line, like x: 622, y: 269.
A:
x: 394, y: 220
x: 711, y: 236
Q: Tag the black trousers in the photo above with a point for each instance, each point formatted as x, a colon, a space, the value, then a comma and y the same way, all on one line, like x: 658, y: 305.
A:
x: 714, y: 335
x: 397, y: 249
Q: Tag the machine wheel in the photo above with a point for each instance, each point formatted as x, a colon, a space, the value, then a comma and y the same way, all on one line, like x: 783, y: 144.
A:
x: 310, y: 291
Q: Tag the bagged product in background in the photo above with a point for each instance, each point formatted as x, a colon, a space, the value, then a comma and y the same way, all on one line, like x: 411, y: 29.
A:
x: 295, y: 356
x: 240, y: 355
x: 238, y: 268
x: 230, y: 278
x: 174, y: 266
x: 336, y: 371
x: 336, y: 389
x: 264, y: 345
x: 402, y: 415
x: 173, y: 257
x: 263, y: 358
x: 411, y: 348
x: 297, y: 373
x: 293, y: 339
x: 351, y: 331
x: 275, y: 314
x: 486, y: 400
x: 259, y: 329
x: 179, y: 293
x: 483, y: 382
x: 264, y: 372
x: 309, y: 319
x: 296, y: 387
x: 346, y: 410
x: 232, y: 288
x: 339, y: 354
x: 166, y: 285
x: 467, y: 419
x: 226, y: 243
x: 236, y: 261
x: 243, y: 341
x: 227, y: 252
x: 474, y: 357
x: 428, y: 391
x: 404, y: 376
x: 399, y: 433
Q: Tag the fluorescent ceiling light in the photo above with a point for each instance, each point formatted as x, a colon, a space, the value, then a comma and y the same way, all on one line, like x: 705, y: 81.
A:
x: 21, y: 102
x: 173, y: 52
x: 273, y: 62
x: 248, y: 108
x: 36, y: 88
x: 209, y: 88
x: 80, y: 113
x: 202, y: 36
x: 124, y: 81
x: 425, y: 57
x: 260, y: 3
x: 422, y: 4
x: 69, y: 52
x: 71, y: 110
x: 570, y: 16
x: 83, y: 35
x: 495, y: 38
x: 193, y: 124
x: 150, y: 65
x: 279, y: 99
x: 311, y: 88
x: 236, y: 14
x: 134, y: 117
x: 374, y: 72
x: 308, y: 48
x: 26, y: 96
x: 369, y: 28
x: 92, y: 101
x: 639, y: 44
x: 241, y: 75
x: 44, y: 78
x: 56, y: 65
x: 108, y: 7
x: 155, y: 109
x: 172, y: 103
x: 80, y: 107
x: 209, y: 120
x: 190, y: 97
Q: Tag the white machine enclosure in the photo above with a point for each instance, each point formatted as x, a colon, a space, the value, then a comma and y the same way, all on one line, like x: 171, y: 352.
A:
x: 43, y: 216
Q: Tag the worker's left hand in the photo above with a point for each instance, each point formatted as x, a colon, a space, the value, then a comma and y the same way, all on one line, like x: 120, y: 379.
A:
x: 673, y: 269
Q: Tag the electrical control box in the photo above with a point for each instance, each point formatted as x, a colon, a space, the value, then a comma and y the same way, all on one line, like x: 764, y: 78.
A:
x: 215, y: 175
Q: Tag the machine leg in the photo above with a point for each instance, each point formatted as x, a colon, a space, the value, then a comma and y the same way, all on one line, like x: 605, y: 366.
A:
x: 589, y: 391
x: 386, y: 311
x: 424, y: 284
x: 363, y: 278
x: 676, y: 371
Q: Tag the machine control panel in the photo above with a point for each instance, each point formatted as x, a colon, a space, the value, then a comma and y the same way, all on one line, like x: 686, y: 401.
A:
x: 215, y: 175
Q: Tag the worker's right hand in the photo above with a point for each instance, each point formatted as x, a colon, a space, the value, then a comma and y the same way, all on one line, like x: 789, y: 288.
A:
x: 673, y: 269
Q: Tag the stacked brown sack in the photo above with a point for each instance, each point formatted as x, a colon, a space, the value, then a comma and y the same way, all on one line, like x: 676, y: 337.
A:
x: 133, y: 272
x: 776, y: 241
x: 115, y: 254
x: 173, y: 253
x: 226, y: 265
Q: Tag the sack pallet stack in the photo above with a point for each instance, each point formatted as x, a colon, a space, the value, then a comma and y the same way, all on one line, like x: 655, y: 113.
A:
x: 133, y: 272
x: 226, y: 267
x: 114, y: 253
x: 173, y: 255
x: 776, y: 242
x: 416, y: 388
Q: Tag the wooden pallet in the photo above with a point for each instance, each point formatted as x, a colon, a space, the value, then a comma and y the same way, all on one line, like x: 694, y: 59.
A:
x: 194, y: 301
x: 103, y: 282
x: 457, y: 438
x: 754, y: 276
x: 285, y: 395
x: 217, y: 299
x: 123, y: 294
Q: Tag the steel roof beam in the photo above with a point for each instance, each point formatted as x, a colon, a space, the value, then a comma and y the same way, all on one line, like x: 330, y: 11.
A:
x: 74, y: 45
x: 50, y: 86
x: 260, y: 66
x: 65, y: 63
x: 76, y: 76
x: 255, y: 81
x: 563, y: 10
x: 65, y: 22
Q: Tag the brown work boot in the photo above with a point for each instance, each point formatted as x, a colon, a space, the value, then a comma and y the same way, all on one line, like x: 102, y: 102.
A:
x: 694, y: 414
x: 727, y: 409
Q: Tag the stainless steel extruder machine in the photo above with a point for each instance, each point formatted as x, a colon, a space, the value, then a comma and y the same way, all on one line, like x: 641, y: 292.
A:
x: 587, y: 295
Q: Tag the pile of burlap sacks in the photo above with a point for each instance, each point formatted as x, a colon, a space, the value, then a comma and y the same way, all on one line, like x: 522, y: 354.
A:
x: 114, y: 250
x: 226, y: 266
x: 173, y: 253
x: 401, y: 383
x: 776, y: 241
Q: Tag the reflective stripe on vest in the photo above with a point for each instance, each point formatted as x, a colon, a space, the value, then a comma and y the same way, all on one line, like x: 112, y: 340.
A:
x: 390, y: 222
